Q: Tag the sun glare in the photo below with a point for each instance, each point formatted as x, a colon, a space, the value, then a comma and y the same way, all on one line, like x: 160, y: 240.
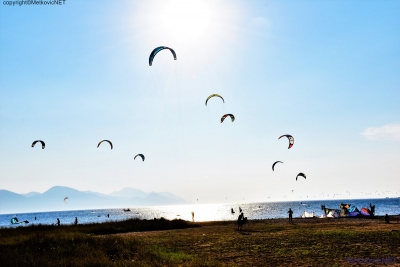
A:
x: 186, y: 20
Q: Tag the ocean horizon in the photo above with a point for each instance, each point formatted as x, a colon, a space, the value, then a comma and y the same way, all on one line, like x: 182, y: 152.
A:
x: 202, y: 212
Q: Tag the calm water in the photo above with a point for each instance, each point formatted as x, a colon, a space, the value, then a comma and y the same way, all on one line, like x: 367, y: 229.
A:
x: 210, y: 212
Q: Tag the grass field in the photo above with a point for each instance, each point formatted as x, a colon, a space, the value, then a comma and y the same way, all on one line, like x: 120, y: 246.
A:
x: 306, y: 242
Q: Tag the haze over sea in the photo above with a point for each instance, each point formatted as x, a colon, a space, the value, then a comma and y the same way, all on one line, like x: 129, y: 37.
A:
x: 203, y: 212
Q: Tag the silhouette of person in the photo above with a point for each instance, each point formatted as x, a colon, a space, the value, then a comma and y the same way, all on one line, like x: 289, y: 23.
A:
x: 240, y: 221
x: 192, y: 216
x: 372, y: 209
x: 108, y: 215
x: 58, y: 222
x: 35, y: 217
x: 76, y: 220
x: 290, y: 215
x: 387, y: 218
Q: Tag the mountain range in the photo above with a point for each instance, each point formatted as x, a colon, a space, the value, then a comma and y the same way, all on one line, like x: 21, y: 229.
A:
x: 53, y: 200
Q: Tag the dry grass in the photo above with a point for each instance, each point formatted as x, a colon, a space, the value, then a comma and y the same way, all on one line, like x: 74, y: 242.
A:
x: 307, y: 242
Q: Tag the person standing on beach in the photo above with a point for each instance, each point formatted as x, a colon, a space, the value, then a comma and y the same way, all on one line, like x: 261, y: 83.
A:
x: 387, y: 218
x: 290, y: 215
x: 240, y: 221
x: 76, y: 220
x: 192, y: 216
x: 58, y: 222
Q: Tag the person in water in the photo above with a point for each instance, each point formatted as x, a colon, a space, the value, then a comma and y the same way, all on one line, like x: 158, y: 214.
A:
x: 290, y: 215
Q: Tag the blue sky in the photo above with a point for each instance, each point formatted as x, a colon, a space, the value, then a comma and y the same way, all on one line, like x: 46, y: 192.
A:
x: 326, y: 72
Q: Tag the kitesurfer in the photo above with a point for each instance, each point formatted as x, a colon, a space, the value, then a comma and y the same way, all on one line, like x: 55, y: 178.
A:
x: 290, y: 215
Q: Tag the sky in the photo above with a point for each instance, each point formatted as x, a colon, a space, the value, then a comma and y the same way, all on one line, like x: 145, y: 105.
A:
x: 325, y: 72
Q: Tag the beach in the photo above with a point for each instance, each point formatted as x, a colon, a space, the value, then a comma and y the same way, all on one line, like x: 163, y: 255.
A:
x: 203, y: 212
x: 271, y: 242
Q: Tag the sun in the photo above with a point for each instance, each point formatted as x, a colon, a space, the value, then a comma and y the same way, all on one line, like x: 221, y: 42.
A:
x: 186, y: 20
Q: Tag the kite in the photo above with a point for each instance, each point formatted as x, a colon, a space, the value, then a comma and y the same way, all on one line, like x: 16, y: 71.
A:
x: 226, y: 115
x: 273, y: 165
x: 105, y: 141
x: 15, y: 221
x: 158, y: 49
x: 34, y: 143
x: 213, y: 96
x: 65, y: 200
x: 140, y: 155
x: 301, y: 174
x: 291, y: 139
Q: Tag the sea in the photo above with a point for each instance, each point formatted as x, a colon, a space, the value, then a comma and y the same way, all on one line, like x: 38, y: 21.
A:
x: 202, y: 212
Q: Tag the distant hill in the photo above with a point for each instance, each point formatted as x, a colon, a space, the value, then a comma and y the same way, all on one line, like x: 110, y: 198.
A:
x: 30, y: 194
x: 170, y: 195
x: 53, y: 200
x: 96, y: 193
x: 129, y: 192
